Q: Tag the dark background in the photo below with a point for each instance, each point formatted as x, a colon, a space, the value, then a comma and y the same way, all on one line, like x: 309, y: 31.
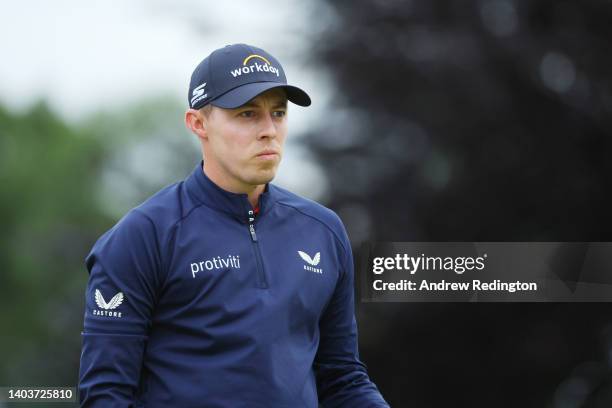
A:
x: 450, y: 121
x: 478, y: 121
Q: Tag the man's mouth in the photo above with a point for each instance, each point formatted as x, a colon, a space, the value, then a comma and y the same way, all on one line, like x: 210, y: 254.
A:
x: 268, y: 154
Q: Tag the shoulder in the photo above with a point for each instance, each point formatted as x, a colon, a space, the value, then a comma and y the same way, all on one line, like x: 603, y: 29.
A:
x: 309, y: 208
x: 163, y: 207
x: 154, y: 218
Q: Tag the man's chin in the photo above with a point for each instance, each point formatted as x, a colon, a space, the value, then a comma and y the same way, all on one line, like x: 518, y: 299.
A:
x: 262, y: 177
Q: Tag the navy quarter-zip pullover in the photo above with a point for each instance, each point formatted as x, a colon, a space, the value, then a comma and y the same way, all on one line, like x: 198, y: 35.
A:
x: 193, y: 300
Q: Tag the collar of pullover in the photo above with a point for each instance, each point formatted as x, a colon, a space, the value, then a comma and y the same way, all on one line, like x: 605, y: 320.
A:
x: 237, y: 204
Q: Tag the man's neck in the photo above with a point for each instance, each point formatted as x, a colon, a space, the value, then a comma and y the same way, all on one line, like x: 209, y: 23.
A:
x: 253, y: 192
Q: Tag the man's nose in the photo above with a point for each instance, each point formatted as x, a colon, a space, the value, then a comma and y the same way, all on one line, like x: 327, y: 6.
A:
x: 268, y: 128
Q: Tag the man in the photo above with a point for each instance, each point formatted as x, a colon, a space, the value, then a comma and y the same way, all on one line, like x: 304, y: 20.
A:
x: 224, y: 290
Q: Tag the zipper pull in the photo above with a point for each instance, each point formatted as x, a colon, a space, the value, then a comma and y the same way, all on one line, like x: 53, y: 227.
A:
x: 252, y: 226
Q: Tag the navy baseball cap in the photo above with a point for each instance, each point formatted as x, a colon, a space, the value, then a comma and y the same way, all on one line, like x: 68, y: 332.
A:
x: 233, y: 75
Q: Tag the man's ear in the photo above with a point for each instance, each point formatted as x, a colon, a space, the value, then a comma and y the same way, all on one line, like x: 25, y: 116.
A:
x: 196, y: 121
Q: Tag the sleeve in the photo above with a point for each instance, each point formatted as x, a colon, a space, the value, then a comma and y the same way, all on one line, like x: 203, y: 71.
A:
x: 342, y: 379
x: 123, y: 268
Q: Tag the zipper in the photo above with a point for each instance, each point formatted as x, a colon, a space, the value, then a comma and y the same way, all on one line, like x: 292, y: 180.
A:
x: 260, y: 269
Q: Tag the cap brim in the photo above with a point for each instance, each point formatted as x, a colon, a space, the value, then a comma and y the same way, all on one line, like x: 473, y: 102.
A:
x: 242, y: 94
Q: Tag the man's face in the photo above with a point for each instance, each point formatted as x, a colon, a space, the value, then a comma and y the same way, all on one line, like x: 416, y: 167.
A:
x: 244, y: 145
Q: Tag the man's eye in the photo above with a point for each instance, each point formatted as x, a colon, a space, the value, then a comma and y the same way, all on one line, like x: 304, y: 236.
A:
x: 280, y: 114
x: 247, y: 114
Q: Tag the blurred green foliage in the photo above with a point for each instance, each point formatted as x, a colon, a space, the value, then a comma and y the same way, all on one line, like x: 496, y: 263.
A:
x: 62, y: 186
